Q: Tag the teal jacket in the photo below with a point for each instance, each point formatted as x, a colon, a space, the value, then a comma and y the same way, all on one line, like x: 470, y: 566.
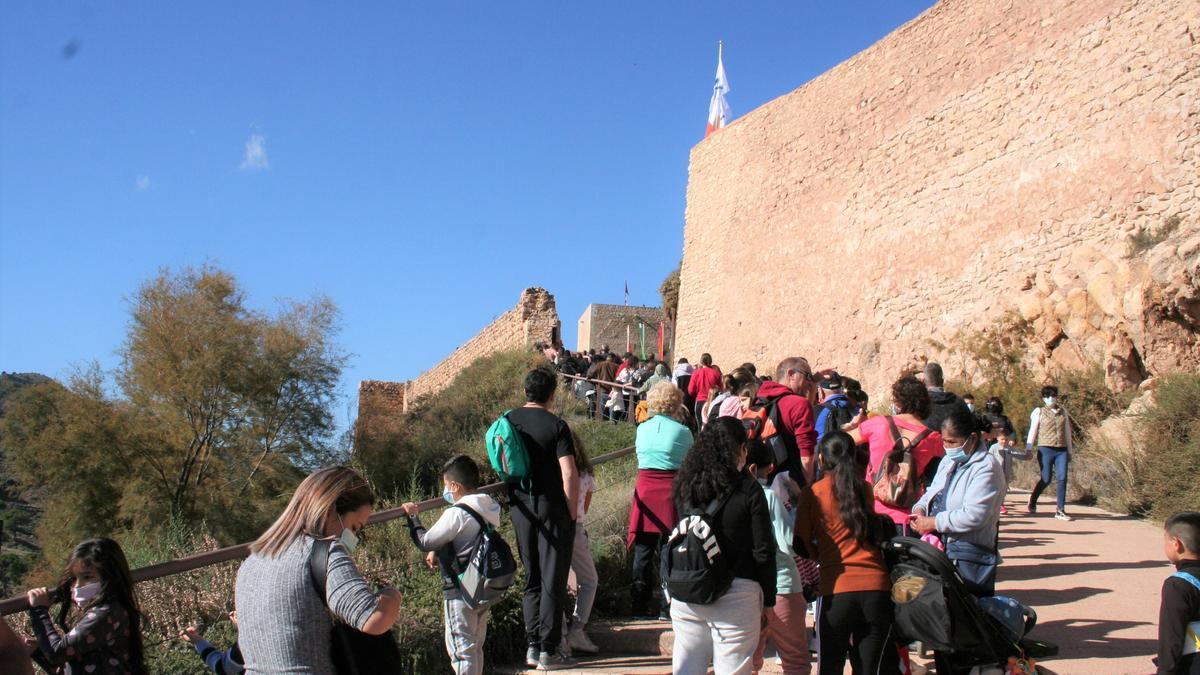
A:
x: 787, y: 577
x: 661, y: 443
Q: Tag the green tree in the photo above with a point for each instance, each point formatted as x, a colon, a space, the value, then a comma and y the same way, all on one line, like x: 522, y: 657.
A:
x: 669, y: 291
x: 218, y: 409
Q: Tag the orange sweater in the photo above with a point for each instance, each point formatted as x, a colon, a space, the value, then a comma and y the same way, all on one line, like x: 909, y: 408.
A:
x: 846, y: 566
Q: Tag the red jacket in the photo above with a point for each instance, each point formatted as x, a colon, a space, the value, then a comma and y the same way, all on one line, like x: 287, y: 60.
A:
x: 704, y: 379
x: 796, y: 415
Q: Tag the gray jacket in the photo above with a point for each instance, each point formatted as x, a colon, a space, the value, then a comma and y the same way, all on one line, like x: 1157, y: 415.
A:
x: 974, y: 495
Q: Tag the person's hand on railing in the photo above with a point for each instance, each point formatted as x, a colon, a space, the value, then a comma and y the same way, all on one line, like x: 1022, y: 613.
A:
x: 410, y: 509
x: 38, y: 597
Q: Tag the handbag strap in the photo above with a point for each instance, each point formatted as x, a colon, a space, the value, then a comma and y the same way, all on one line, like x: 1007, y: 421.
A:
x: 907, y: 445
x: 318, y: 567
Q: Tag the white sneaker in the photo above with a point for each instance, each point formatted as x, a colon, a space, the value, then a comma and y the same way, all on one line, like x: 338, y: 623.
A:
x: 579, y: 641
x: 1062, y: 515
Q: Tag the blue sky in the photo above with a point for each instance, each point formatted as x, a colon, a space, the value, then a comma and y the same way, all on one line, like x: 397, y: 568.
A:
x: 420, y: 163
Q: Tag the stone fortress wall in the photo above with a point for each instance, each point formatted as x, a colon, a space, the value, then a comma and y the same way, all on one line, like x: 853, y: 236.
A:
x: 606, y: 325
x: 534, y: 319
x: 986, y: 157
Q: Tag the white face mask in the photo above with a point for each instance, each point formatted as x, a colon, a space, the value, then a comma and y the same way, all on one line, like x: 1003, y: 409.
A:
x: 1051, y: 400
x: 348, y: 538
x: 971, y: 407
x: 85, y: 593
x: 895, y: 410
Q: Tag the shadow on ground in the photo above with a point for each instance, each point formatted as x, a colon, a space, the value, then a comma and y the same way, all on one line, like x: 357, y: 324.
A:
x: 1042, y: 597
x: 1087, y: 638
x: 1050, y: 556
x: 1035, y: 571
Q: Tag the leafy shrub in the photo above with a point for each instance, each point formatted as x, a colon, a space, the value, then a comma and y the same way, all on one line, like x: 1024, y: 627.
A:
x: 1170, y: 438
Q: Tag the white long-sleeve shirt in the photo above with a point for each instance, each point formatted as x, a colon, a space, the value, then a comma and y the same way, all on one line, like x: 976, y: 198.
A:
x: 1036, y: 416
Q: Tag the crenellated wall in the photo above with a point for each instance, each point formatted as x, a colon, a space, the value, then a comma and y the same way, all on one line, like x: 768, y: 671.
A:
x: 986, y: 157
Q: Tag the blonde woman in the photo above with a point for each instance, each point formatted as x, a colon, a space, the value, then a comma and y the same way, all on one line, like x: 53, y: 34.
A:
x: 283, y: 624
x: 662, y: 441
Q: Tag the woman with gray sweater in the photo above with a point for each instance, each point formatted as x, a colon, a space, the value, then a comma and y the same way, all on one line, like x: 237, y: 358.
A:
x: 283, y: 624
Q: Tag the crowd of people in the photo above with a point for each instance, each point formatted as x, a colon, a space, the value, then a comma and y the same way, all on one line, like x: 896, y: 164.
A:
x: 783, y: 477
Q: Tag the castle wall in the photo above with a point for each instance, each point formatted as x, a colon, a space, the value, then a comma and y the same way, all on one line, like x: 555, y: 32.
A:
x: 606, y: 325
x: 533, y: 320
x: 986, y: 157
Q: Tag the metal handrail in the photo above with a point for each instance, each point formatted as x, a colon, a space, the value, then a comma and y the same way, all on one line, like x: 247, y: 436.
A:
x: 605, y: 383
x: 208, y: 558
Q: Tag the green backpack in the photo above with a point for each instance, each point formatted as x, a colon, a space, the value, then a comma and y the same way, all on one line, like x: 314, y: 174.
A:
x: 506, y: 452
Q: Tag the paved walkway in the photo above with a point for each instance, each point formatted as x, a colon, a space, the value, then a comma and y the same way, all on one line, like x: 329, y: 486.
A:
x: 1095, y: 583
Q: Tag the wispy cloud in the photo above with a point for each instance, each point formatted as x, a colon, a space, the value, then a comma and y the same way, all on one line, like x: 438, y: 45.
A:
x: 142, y: 183
x: 255, y: 158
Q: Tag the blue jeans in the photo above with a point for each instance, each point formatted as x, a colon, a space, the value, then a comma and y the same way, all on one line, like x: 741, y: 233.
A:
x: 1056, y: 460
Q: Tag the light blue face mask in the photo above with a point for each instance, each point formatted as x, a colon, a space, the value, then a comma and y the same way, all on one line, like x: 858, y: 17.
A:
x: 348, y: 538
x: 958, y: 454
x: 448, y: 496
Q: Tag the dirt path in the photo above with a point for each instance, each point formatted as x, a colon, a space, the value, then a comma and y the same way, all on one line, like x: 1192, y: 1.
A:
x: 1095, y: 583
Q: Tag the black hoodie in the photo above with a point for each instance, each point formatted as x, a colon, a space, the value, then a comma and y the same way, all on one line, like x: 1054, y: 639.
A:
x: 942, y: 403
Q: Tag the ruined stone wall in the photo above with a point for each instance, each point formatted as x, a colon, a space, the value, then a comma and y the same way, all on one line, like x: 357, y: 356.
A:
x: 605, y: 324
x: 986, y: 157
x: 533, y: 320
x: 379, y: 406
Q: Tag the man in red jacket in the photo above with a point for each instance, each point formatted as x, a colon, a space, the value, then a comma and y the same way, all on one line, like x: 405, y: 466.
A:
x: 794, y: 381
x: 704, y: 379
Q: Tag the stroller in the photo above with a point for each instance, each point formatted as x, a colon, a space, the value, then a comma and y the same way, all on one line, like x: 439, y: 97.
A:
x: 934, y: 607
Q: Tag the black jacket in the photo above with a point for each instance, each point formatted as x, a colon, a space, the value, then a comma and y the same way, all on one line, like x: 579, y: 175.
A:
x: 1180, y: 606
x: 745, y: 532
x: 942, y: 403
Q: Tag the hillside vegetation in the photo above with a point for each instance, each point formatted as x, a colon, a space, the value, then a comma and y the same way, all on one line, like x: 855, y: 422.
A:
x: 19, y: 509
x: 449, y: 423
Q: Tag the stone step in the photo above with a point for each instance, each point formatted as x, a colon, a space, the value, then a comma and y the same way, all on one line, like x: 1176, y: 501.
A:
x: 649, y: 637
x: 605, y: 664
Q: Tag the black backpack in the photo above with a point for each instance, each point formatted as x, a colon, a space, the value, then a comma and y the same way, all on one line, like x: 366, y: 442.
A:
x: 838, y: 416
x: 694, y: 569
x: 490, y: 568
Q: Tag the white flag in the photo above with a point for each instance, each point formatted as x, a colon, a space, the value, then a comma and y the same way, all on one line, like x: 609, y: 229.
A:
x: 718, y: 108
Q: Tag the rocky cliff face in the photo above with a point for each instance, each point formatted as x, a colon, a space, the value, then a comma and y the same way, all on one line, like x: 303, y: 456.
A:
x: 987, y: 157
x: 1136, y: 313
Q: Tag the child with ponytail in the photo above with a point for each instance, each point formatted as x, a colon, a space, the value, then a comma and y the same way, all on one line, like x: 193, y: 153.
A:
x: 837, y: 526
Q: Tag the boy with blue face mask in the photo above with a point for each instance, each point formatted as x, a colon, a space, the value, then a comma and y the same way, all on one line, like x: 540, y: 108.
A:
x: 450, y: 542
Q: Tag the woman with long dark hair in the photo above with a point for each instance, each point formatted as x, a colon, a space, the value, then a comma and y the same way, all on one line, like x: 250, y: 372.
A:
x: 837, y: 526
x: 104, y: 636
x: 726, y: 630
